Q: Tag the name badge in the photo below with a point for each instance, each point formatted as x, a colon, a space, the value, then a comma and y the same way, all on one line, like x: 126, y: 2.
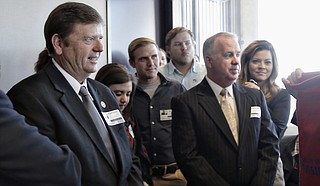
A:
x: 165, y: 115
x: 255, y: 112
x: 113, y: 117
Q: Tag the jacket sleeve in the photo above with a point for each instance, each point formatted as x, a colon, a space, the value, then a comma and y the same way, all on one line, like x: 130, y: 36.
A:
x: 29, y: 158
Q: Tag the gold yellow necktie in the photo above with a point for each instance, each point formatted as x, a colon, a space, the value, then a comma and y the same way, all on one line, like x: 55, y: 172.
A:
x: 229, y: 114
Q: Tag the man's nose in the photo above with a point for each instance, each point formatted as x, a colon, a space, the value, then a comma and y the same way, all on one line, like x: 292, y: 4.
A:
x: 98, y: 46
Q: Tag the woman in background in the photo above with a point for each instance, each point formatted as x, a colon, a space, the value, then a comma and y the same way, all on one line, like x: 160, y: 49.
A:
x: 259, y: 69
x: 162, y: 57
x: 118, y: 78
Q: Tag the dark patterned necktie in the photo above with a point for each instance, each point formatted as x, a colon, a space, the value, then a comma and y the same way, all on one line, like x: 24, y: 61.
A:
x: 103, y: 131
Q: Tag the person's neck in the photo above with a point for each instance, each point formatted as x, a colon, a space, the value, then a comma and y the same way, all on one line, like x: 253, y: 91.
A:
x: 145, y: 81
x: 183, y: 67
x: 222, y: 82
x: 261, y: 83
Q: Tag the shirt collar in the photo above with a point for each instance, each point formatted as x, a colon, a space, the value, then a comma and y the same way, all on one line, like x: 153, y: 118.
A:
x: 172, y: 68
x: 217, y: 89
x: 71, y: 80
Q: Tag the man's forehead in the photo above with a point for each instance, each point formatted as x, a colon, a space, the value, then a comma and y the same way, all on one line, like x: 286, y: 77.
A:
x: 227, y: 44
x: 146, y: 50
x: 183, y: 36
x: 91, y: 27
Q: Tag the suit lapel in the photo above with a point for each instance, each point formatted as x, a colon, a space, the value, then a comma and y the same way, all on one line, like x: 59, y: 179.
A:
x: 210, y: 104
x: 98, y: 102
x: 243, y: 105
x: 75, y: 107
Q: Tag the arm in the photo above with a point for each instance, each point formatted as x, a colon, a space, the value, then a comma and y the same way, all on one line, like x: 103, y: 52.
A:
x: 135, y: 175
x: 28, y: 158
x: 279, y: 109
x: 194, y: 166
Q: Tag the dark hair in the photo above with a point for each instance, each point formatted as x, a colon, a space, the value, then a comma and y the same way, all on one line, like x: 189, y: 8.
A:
x: 115, y: 73
x: 269, y: 87
x: 61, y: 21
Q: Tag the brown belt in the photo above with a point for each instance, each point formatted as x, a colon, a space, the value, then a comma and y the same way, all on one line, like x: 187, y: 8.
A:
x: 160, y: 170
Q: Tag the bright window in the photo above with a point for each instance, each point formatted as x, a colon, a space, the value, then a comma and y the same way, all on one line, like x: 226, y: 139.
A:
x: 292, y: 27
x: 205, y: 18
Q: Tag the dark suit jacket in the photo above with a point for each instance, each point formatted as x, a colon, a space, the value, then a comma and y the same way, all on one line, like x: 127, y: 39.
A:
x: 49, y: 102
x: 287, y: 145
x: 204, y: 146
x: 28, y: 158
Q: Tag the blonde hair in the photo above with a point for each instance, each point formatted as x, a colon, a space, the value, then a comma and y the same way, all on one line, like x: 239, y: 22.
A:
x: 137, y: 43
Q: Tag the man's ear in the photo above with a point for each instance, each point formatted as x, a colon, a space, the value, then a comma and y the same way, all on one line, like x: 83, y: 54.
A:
x: 168, y: 51
x: 57, y: 43
x: 208, y: 61
x: 132, y: 63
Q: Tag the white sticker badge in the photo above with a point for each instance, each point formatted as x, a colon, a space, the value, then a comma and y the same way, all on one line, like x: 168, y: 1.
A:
x: 255, y: 112
x: 165, y: 115
x: 113, y: 117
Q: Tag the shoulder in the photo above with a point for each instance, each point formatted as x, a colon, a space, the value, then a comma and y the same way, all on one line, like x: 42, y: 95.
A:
x: 100, y: 88
x: 98, y: 85
x: 34, y: 79
x: 171, y: 83
x: 202, y: 89
x: 246, y: 90
x: 283, y: 93
x: 34, y: 84
x: 164, y: 69
x: 4, y: 101
x: 201, y: 67
x: 247, y: 94
x: 282, y: 96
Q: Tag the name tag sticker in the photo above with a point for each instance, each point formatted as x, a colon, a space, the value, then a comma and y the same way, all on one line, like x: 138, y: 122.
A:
x: 113, y: 117
x: 165, y: 115
x: 255, y: 112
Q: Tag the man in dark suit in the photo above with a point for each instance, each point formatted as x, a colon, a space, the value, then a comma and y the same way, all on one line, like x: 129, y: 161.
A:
x: 50, y: 98
x: 206, y: 149
x: 29, y: 158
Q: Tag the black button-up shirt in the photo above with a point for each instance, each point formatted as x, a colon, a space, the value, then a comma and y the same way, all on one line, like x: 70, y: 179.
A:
x: 154, y: 118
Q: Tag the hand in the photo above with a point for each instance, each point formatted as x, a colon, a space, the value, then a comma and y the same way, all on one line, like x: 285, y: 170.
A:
x: 251, y: 85
x: 293, y: 78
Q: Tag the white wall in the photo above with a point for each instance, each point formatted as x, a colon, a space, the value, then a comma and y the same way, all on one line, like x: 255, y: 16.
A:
x: 21, y: 36
x: 128, y: 20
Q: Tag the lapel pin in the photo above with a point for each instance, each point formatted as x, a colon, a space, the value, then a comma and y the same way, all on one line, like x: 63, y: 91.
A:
x: 103, y: 104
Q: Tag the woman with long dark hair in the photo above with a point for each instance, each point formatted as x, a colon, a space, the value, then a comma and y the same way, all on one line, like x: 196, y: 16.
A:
x: 259, y: 69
